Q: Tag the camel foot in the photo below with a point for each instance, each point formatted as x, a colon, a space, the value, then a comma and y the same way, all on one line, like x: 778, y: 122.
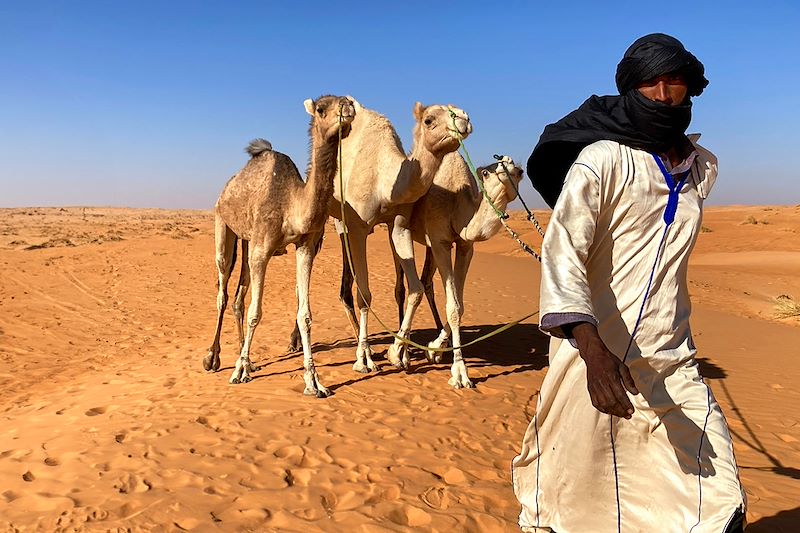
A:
x: 321, y: 392
x: 459, y: 378
x: 361, y: 367
x: 241, y: 374
x: 211, y: 361
x: 398, y: 356
x: 364, y: 363
x: 436, y: 356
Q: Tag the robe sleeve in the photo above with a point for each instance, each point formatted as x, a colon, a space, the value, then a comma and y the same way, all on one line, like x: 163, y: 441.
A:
x: 565, y: 296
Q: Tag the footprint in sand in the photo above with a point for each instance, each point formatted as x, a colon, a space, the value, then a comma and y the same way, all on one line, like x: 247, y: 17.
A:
x: 410, y: 516
x: 52, y: 461
x: 130, y: 483
x: 95, y: 411
x: 28, y: 476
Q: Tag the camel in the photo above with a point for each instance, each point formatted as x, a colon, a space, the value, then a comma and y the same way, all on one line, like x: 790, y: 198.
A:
x: 268, y: 206
x: 382, y: 184
x: 454, y: 211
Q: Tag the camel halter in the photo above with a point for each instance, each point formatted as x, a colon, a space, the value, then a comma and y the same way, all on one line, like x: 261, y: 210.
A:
x: 346, y: 241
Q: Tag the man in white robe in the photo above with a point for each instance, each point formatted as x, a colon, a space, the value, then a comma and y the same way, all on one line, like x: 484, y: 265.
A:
x: 627, y: 437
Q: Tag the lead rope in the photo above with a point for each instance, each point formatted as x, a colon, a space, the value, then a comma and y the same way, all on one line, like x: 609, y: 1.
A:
x: 350, y: 263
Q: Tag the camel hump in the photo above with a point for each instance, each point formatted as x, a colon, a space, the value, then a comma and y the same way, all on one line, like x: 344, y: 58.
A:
x: 258, y: 147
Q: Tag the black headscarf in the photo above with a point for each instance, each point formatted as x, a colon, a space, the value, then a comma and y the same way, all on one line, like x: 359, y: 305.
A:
x: 630, y: 118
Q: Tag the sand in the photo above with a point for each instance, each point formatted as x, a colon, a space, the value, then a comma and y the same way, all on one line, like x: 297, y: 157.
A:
x: 111, y: 424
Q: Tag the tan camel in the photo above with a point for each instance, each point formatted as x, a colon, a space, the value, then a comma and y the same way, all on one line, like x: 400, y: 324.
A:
x: 268, y: 206
x: 381, y: 185
x: 454, y: 211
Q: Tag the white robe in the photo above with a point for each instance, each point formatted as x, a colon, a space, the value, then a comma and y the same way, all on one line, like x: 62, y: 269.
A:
x: 670, y: 468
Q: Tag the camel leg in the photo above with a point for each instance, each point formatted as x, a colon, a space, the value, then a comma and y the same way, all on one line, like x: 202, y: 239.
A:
x: 305, y: 260
x: 258, y: 258
x: 404, y: 247
x: 428, y: 270
x: 295, y: 344
x: 225, y: 241
x: 399, y: 286
x: 346, y: 289
x: 241, y: 292
x: 458, y: 371
x: 358, y: 251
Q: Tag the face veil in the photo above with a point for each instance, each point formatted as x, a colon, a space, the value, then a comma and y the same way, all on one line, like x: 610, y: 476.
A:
x: 628, y: 118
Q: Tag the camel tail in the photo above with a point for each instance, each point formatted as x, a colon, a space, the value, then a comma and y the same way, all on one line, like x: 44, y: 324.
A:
x: 258, y: 147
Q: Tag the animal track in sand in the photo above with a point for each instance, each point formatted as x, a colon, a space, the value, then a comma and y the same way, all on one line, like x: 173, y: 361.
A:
x: 95, y: 411
x: 52, y: 461
x: 28, y: 476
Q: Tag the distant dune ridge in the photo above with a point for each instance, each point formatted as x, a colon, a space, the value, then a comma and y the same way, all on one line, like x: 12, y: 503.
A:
x: 109, y: 420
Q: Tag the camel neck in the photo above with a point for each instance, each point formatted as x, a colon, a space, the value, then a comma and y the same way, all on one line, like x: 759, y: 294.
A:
x: 416, y: 175
x: 321, y: 173
x: 484, y: 222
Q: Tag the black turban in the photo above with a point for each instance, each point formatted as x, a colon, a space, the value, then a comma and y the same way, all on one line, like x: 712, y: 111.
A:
x: 657, y: 54
x: 629, y: 118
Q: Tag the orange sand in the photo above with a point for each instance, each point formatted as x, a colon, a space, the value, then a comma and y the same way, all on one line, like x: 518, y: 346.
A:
x: 110, y: 423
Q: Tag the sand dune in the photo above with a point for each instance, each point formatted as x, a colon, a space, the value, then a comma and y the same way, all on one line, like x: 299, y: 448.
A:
x: 111, y: 424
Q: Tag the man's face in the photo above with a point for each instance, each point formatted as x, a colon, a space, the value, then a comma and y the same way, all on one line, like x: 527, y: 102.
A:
x: 670, y: 89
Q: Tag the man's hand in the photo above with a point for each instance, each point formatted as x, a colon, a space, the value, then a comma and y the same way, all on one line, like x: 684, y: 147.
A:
x: 607, y: 377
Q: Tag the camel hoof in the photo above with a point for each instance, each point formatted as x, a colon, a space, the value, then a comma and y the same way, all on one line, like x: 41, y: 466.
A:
x: 434, y: 357
x: 318, y: 393
x: 361, y: 368
x: 246, y: 379
x: 234, y: 381
x: 211, y: 362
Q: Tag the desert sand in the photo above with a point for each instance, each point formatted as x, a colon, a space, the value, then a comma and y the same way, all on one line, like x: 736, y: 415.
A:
x: 109, y: 422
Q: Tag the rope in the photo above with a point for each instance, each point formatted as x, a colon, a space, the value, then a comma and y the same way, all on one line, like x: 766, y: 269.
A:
x: 531, y: 216
x: 500, y: 214
x: 350, y: 263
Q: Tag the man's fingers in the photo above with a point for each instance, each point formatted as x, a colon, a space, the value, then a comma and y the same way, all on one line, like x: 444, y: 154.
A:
x: 627, y: 379
x: 622, y: 404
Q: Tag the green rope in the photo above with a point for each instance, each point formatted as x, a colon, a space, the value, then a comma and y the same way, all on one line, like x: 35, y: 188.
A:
x: 369, y: 307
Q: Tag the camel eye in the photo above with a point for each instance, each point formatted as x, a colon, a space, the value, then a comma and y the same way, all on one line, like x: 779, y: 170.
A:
x: 485, y: 173
x: 320, y: 110
x: 428, y: 121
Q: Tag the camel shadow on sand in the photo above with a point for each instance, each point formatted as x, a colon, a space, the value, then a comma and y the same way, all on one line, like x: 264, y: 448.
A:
x: 521, y: 348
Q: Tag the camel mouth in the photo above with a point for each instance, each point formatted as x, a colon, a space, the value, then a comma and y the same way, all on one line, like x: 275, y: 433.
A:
x: 461, y: 130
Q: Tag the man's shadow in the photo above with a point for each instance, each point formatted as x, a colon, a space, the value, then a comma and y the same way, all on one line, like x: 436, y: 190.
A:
x: 783, y: 522
x: 711, y: 371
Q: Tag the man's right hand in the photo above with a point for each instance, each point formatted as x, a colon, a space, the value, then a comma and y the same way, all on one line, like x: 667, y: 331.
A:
x: 607, y: 378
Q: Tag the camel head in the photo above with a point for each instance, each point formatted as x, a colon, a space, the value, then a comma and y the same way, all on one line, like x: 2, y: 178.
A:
x: 327, y: 114
x: 440, y: 127
x: 501, y: 179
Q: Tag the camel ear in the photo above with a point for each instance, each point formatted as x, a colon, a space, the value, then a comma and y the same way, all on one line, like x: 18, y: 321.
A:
x: 419, y: 110
x: 309, y: 105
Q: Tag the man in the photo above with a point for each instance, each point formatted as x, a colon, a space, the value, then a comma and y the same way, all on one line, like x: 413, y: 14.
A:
x: 627, y: 437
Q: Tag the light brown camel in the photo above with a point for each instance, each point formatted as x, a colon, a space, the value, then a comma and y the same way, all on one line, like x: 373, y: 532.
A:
x: 268, y: 206
x: 454, y: 211
x: 381, y: 185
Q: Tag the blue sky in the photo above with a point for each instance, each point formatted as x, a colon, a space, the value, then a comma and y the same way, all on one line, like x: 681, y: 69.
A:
x: 150, y: 104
